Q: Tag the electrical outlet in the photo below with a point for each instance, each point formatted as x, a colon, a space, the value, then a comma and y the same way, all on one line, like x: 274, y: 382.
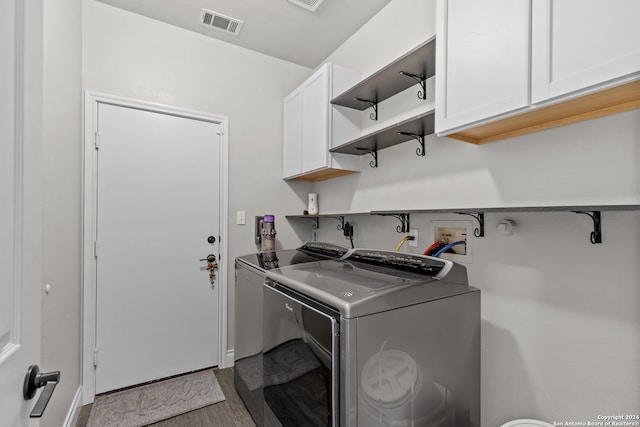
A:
x: 413, y: 243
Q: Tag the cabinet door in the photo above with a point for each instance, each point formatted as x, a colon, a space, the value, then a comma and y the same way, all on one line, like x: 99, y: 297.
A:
x: 315, y: 121
x: 482, y: 60
x: 292, y: 134
x: 577, y: 44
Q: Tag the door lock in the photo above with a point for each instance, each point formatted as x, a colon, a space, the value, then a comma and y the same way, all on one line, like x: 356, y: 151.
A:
x: 212, y: 266
x: 33, y: 381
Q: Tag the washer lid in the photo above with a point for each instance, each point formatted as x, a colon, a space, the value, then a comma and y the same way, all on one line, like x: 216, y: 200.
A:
x: 357, y: 289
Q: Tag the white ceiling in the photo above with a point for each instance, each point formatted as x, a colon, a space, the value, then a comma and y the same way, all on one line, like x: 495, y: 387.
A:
x: 274, y: 27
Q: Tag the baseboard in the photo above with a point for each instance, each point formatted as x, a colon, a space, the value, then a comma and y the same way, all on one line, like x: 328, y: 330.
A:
x: 74, y: 409
x: 229, y: 359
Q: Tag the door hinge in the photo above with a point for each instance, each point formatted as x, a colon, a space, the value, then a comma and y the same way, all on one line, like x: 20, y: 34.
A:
x: 96, y: 140
x: 95, y: 249
x: 95, y: 357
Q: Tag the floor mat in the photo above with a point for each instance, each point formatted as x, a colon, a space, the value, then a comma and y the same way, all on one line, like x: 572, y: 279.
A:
x: 153, y: 402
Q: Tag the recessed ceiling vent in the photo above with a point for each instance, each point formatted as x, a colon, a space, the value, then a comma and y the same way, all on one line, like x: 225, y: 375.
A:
x: 312, y: 5
x: 220, y: 22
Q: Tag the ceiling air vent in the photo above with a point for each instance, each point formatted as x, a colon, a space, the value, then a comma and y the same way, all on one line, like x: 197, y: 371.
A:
x: 220, y: 22
x: 312, y: 5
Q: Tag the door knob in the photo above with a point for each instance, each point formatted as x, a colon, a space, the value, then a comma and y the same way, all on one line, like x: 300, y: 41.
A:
x: 210, y: 258
x: 33, y: 381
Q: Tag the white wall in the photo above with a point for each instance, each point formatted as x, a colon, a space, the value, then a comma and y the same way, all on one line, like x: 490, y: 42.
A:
x: 560, y: 324
x: 127, y: 55
x: 62, y: 114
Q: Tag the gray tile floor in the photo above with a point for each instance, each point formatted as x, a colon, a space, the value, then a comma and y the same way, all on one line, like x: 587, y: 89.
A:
x: 231, y: 412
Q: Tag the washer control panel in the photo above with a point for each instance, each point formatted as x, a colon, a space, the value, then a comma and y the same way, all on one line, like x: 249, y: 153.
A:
x: 430, y: 266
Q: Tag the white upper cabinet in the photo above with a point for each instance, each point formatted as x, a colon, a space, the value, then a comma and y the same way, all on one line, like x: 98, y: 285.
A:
x: 510, y: 67
x: 312, y: 126
x: 482, y: 65
x: 316, y: 121
x: 292, y: 134
x: 577, y: 44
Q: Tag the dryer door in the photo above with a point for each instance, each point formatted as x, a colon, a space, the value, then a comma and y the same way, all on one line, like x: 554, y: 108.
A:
x: 300, y: 360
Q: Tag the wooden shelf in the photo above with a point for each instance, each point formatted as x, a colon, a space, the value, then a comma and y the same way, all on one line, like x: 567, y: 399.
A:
x: 388, y: 81
x: 391, y: 135
x: 610, y: 101
x: 321, y: 175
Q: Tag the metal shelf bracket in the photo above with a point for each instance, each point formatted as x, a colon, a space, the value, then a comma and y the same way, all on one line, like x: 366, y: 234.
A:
x: 420, y: 138
x: 316, y: 221
x: 340, y: 218
x: 478, y: 231
x: 404, y: 221
x: 372, y: 104
x: 374, y: 153
x: 596, y: 234
x: 423, y: 83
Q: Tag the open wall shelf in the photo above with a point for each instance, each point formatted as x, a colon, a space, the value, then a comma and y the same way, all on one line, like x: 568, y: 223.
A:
x: 593, y: 211
x: 416, y: 66
x: 415, y: 128
x: 316, y: 218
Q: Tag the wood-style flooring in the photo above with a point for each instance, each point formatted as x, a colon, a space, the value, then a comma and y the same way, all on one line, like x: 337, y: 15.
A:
x: 231, y: 412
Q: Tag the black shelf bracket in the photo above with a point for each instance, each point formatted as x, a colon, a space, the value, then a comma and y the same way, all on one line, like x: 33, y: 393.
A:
x: 420, y: 138
x: 404, y: 219
x: 423, y: 83
x: 478, y: 231
x: 372, y: 104
x: 316, y: 221
x: 374, y: 153
x: 596, y: 234
x: 340, y: 218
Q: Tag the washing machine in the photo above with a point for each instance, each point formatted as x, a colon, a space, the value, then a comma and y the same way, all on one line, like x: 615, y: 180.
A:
x: 373, y: 338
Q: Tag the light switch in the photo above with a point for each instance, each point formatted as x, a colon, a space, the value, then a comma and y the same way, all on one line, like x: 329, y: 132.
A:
x: 241, y: 218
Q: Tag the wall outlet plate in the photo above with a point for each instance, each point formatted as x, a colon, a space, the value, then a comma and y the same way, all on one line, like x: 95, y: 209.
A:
x: 413, y: 243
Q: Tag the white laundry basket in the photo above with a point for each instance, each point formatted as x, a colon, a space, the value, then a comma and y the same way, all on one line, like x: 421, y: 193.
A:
x: 526, y: 423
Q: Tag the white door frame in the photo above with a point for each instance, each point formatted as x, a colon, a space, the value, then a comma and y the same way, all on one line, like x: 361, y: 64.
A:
x: 92, y: 99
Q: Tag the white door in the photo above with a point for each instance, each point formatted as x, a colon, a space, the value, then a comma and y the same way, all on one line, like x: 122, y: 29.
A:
x: 158, y: 201
x: 20, y: 203
x: 482, y: 60
x: 580, y: 43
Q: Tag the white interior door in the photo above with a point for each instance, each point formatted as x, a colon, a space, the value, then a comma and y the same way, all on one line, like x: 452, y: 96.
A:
x: 20, y: 203
x: 158, y: 200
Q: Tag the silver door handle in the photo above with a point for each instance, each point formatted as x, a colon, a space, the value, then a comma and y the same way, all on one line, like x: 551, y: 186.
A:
x: 33, y: 381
